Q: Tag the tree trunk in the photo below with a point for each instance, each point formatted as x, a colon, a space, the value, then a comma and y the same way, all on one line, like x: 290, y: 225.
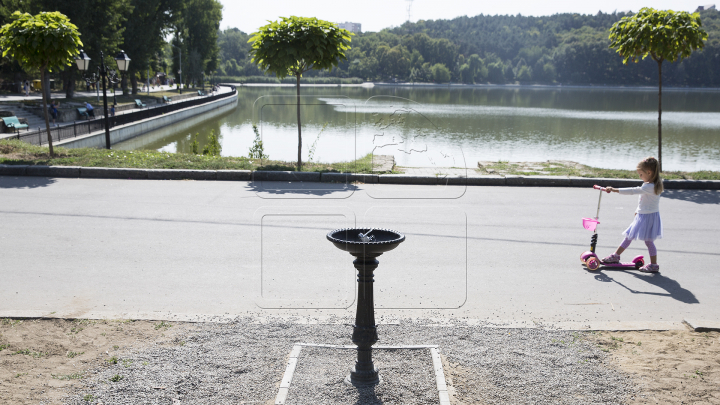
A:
x: 45, y: 109
x: 299, y: 162
x: 660, y: 116
x: 123, y: 84
x: 70, y: 85
x: 45, y: 80
x: 134, y: 83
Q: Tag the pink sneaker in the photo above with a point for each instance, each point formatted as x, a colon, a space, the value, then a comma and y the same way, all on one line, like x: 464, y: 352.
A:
x: 650, y: 268
x: 613, y: 258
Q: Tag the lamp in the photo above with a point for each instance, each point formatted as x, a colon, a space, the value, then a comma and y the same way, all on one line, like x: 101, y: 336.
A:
x: 123, y: 61
x: 82, y: 60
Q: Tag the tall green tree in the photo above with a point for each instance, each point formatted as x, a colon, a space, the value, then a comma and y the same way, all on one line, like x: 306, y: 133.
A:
x: 662, y: 34
x: 101, y: 24
x: 295, y: 45
x: 196, y: 33
x: 144, y: 34
x: 46, y: 42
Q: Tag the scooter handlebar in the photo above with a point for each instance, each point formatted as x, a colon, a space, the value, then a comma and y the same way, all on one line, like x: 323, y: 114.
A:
x: 596, y: 187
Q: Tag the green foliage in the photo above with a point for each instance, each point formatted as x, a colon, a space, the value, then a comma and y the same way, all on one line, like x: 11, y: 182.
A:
x: 257, y: 151
x: 116, y: 378
x: 294, y: 45
x: 662, y: 34
x: 440, y: 73
x: 47, y: 41
x: 194, y: 144
x: 213, y: 147
x: 144, y: 34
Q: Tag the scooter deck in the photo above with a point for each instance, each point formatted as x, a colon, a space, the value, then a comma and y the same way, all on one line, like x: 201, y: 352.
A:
x: 617, y: 264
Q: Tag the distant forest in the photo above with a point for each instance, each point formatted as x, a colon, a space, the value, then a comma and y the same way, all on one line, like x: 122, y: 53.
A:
x: 559, y: 49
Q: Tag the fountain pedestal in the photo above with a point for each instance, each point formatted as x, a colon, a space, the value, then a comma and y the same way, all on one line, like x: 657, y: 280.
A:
x: 365, y: 331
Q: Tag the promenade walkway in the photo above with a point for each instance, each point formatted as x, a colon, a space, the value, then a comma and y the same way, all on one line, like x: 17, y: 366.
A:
x: 192, y: 250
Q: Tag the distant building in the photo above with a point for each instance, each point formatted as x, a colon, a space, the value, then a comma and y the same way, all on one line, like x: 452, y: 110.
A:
x: 705, y: 7
x: 352, y: 27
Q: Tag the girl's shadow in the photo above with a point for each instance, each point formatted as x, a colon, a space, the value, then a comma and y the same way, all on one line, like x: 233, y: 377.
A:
x: 673, y: 288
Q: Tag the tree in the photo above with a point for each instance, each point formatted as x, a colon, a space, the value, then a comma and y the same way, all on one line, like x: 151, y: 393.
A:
x: 662, y: 34
x: 197, y: 31
x: 440, y: 73
x: 46, y: 42
x: 144, y: 34
x: 100, y: 24
x: 295, y: 45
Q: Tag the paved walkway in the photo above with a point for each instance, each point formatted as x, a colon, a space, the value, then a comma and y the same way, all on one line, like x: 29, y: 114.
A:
x: 180, y: 249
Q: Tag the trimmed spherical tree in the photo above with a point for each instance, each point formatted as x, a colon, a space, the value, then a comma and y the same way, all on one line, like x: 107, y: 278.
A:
x: 661, y: 34
x: 45, y: 42
x: 294, y: 45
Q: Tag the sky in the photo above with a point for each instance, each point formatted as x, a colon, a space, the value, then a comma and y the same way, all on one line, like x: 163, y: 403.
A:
x: 374, y: 15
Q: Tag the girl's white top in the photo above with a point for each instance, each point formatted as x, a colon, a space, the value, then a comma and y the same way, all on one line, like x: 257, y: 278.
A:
x: 649, y: 202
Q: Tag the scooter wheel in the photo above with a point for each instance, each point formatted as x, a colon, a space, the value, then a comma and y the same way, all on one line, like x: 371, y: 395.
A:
x: 639, y: 264
x: 592, y: 263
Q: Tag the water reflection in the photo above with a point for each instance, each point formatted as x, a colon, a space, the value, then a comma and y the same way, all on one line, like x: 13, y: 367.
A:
x: 600, y: 127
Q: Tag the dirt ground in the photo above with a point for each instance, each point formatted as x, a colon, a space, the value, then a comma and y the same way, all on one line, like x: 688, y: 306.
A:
x: 41, y: 360
x: 673, y: 367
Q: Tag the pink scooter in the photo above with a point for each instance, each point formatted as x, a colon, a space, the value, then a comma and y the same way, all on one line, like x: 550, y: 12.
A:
x: 589, y: 258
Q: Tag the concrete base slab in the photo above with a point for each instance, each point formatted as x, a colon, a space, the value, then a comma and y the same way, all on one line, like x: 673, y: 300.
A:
x: 701, y: 325
x: 234, y: 175
x: 179, y: 174
x: 113, y: 173
x: 53, y: 171
x: 13, y: 170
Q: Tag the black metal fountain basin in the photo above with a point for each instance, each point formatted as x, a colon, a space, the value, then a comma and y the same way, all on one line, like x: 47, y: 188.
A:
x: 384, y: 240
x: 365, y: 244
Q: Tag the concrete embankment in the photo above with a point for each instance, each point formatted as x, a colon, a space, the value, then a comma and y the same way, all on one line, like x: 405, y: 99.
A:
x: 282, y: 176
x: 186, y: 117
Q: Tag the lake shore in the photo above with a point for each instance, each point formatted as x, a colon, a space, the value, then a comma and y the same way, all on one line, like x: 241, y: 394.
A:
x: 485, y: 86
x: 13, y: 152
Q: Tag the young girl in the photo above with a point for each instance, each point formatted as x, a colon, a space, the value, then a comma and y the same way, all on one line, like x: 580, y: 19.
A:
x: 647, y: 225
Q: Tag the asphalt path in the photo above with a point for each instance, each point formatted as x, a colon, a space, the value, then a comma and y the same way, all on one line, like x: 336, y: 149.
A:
x: 201, y: 249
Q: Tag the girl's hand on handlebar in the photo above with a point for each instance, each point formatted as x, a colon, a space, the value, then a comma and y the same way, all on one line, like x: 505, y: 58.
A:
x: 612, y: 189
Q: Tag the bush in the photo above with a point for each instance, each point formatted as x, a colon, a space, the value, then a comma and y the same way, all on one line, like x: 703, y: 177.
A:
x: 440, y: 73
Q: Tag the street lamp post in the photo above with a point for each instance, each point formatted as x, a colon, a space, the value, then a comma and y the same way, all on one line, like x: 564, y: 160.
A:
x: 123, y: 62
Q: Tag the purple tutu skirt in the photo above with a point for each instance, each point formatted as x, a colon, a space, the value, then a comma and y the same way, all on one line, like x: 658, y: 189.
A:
x: 645, y: 227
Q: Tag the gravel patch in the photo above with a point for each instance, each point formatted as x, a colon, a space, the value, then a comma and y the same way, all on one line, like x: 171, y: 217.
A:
x: 407, y: 378
x: 243, y: 362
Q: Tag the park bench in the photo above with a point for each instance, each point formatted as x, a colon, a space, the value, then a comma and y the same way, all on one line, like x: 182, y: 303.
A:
x: 167, y: 99
x: 139, y: 104
x: 14, y: 123
x: 82, y: 112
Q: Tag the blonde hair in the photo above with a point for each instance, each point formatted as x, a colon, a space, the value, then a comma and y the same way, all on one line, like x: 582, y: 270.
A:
x: 651, y: 164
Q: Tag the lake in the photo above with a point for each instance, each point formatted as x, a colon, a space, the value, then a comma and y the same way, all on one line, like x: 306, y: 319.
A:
x: 459, y: 126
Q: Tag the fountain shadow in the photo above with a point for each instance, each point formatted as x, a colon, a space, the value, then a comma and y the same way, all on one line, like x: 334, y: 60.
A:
x: 367, y: 396
x: 695, y: 196
x: 673, y: 288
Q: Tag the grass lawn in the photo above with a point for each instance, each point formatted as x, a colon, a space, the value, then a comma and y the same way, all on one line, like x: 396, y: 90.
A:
x: 565, y: 168
x: 14, y: 152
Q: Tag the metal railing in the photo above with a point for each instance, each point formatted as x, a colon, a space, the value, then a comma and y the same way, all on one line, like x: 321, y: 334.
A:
x: 78, y: 128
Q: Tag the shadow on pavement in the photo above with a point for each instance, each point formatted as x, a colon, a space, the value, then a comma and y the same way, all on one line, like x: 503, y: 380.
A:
x: 696, y: 196
x: 25, y: 182
x: 301, y: 189
x: 673, y: 288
